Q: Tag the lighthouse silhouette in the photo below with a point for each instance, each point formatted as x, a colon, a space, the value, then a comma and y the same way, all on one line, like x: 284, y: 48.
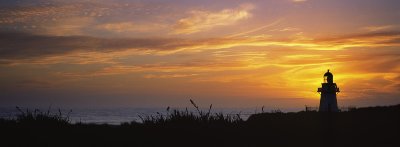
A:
x: 328, y: 91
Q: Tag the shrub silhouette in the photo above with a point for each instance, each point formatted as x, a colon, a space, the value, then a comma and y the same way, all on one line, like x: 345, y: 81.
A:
x: 39, y: 118
x: 183, y: 118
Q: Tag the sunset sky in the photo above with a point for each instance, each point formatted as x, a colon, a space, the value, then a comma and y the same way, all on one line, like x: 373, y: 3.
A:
x: 230, y: 53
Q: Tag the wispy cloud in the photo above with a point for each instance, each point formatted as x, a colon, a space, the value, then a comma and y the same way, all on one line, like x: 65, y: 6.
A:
x: 297, y: 1
x: 378, y: 28
x: 257, y: 29
x: 38, y: 46
x: 50, y: 19
x: 120, y: 27
x: 67, y: 26
x: 168, y: 70
x: 167, y: 76
x: 66, y: 18
x: 205, y: 20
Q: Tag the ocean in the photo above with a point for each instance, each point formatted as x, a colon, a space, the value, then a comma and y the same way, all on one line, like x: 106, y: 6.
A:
x: 116, y: 116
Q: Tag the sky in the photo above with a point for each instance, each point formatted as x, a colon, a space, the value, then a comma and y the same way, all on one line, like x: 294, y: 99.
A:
x: 229, y: 53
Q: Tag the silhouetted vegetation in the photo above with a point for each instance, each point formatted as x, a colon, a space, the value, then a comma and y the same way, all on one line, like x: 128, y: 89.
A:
x: 372, y: 126
x: 37, y: 117
x: 186, y: 117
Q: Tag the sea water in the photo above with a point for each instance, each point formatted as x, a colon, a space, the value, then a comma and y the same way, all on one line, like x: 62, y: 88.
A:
x: 116, y: 116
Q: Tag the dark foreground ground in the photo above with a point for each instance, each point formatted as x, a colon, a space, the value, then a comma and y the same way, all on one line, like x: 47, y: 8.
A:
x: 373, y: 126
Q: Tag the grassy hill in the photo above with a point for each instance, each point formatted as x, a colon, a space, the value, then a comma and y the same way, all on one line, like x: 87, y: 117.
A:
x: 372, y: 126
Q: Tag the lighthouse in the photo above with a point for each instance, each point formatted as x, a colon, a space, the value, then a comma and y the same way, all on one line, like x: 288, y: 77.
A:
x: 328, y: 92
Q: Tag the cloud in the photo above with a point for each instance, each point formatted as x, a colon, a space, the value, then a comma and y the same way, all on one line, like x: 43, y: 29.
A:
x: 17, y: 45
x: 374, y: 63
x: 373, y: 39
x: 274, y: 23
x: 66, y: 18
x: 297, y: 1
x: 381, y: 34
x: 166, y: 70
x: 205, y: 20
x: 22, y: 46
x: 52, y: 18
x: 37, y: 13
x: 167, y: 76
x: 120, y: 27
x: 378, y: 28
x: 67, y: 26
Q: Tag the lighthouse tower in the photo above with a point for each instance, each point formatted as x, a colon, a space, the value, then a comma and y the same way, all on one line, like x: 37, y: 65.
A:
x: 328, y: 91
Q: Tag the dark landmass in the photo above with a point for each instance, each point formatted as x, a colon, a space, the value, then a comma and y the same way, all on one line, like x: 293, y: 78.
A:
x: 371, y: 126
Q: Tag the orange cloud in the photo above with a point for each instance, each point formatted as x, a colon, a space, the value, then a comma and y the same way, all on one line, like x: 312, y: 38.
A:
x: 204, y: 20
x: 38, y: 47
x: 163, y: 76
x: 130, y: 27
x: 378, y: 28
